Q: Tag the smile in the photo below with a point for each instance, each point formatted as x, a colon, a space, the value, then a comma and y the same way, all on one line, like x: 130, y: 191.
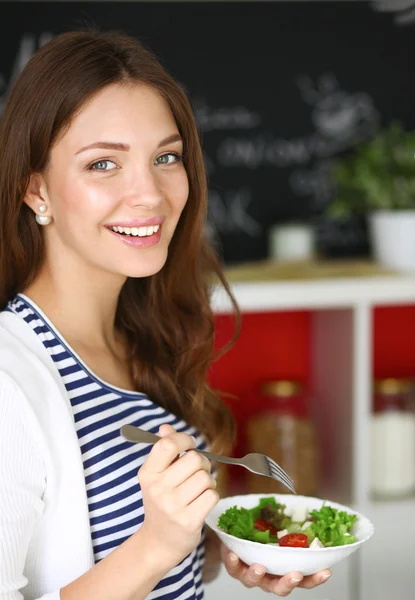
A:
x: 137, y: 237
x: 136, y: 231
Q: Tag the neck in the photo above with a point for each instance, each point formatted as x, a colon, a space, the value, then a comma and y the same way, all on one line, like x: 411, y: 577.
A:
x: 83, y: 308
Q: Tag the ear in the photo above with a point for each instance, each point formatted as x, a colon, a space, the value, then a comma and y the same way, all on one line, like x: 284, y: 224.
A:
x: 37, y: 196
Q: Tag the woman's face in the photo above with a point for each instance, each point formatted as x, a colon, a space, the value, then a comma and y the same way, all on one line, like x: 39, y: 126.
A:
x: 116, y: 184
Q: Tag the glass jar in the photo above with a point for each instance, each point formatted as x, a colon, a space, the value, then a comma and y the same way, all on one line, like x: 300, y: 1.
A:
x: 392, y: 439
x: 283, y: 430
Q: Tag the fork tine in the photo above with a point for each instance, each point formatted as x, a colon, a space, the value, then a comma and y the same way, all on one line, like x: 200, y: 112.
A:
x: 277, y: 470
x: 279, y: 474
x: 291, y: 487
x: 287, y: 484
x: 282, y: 477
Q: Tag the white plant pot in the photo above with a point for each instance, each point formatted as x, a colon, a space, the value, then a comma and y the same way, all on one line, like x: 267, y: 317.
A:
x: 392, y: 237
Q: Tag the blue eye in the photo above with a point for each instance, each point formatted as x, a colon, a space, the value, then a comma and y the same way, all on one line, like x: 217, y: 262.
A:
x: 101, y: 165
x: 169, y: 158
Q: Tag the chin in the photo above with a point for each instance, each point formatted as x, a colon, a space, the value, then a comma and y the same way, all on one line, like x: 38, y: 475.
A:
x: 144, y: 268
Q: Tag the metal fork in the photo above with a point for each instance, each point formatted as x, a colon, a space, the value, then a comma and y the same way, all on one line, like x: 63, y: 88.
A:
x: 254, y: 462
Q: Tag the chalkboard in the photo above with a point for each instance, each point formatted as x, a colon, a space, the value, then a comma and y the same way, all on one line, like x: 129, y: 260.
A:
x: 279, y: 90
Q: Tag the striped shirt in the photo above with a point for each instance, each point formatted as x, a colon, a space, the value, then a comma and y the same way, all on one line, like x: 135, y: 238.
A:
x: 110, y: 463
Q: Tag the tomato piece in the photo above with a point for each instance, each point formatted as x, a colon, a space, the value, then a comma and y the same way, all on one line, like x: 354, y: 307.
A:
x: 294, y: 540
x: 263, y: 525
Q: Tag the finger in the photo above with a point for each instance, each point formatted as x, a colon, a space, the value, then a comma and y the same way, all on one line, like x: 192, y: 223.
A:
x: 194, y: 486
x: 166, y: 451
x: 186, y: 466
x: 235, y: 567
x: 253, y: 576
x: 282, y: 586
x: 199, y: 508
x: 312, y: 581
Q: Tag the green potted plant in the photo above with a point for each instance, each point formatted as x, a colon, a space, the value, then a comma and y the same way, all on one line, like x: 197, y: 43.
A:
x: 378, y: 179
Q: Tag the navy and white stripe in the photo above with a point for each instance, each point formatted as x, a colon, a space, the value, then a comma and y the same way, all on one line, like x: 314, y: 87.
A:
x: 110, y: 463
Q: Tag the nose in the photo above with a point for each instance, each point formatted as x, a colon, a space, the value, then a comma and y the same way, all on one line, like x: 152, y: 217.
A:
x: 144, y: 190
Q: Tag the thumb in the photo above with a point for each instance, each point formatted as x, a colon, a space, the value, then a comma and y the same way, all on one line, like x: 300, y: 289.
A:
x: 165, y: 430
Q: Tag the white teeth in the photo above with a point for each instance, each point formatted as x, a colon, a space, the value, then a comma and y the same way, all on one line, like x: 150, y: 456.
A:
x: 137, y: 231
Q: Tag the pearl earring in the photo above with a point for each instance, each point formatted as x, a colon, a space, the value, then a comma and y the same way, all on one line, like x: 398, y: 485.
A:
x: 42, y: 219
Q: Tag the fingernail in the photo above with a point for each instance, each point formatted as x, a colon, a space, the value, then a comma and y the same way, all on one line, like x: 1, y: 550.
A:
x: 296, y: 579
x: 259, y: 573
x: 194, y: 439
x: 233, y: 558
x: 325, y: 577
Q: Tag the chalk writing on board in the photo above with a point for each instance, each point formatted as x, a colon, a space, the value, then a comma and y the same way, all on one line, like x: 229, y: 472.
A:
x: 314, y: 181
x: 226, y: 117
x: 28, y: 45
x: 339, y: 120
x: 339, y: 234
x: 228, y: 213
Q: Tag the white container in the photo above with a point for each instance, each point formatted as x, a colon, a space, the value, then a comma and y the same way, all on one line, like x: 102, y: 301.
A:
x: 392, y: 235
x: 393, y: 454
x: 392, y: 437
x: 291, y: 241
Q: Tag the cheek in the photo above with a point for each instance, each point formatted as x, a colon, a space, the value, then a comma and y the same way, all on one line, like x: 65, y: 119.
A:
x: 180, y: 193
x: 82, y: 204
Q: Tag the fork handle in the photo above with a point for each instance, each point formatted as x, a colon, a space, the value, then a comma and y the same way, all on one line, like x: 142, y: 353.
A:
x: 134, y: 434
x: 220, y: 459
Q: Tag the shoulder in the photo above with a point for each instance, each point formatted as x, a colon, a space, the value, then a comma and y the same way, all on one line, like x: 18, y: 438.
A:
x: 20, y: 379
x: 25, y: 361
x: 20, y: 347
x: 14, y: 332
x: 31, y: 388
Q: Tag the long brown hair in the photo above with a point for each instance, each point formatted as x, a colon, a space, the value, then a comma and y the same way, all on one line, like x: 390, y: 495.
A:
x: 167, y: 317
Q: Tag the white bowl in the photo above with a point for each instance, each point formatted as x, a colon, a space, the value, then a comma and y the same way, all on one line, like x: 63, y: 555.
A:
x: 281, y: 560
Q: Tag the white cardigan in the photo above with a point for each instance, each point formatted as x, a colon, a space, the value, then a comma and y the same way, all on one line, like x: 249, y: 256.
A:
x: 45, y: 539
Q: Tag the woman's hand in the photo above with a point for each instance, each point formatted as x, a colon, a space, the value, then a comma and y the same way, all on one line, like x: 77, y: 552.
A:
x: 178, y: 493
x: 255, y: 576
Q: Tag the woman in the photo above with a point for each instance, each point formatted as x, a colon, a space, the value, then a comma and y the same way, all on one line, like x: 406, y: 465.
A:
x: 105, y: 321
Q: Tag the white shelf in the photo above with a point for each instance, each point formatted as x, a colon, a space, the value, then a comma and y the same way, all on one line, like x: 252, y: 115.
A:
x: 262, y: 296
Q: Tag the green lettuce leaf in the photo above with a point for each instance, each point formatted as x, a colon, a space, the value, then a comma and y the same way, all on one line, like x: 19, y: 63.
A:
x: 237, y: 522
x: 332, y: 527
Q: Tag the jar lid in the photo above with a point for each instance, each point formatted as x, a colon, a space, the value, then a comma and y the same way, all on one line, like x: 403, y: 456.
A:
x: 283, y: 388
x: 391, y: 386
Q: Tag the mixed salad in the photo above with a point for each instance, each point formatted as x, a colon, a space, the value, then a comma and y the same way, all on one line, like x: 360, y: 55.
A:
x: 269, y: 523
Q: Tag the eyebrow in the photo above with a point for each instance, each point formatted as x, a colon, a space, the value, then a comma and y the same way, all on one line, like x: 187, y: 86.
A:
x: 106, y: 145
